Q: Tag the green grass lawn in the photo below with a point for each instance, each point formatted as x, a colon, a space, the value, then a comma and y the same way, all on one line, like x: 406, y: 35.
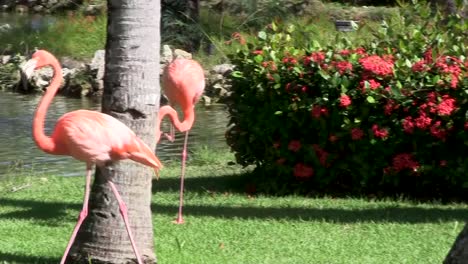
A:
x: 225, y: 225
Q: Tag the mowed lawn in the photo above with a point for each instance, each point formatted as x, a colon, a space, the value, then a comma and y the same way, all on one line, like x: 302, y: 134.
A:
x: 225, y: 225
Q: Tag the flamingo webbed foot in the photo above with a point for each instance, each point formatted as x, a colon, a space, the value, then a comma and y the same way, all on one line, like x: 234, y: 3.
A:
x: 169, y: 137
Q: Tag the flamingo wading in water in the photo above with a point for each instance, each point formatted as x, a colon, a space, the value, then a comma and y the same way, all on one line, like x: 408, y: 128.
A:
x: 183, y: 82
x: 89, y: 136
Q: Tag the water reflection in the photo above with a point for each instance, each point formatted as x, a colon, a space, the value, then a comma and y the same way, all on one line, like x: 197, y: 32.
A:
x: 18, y: 150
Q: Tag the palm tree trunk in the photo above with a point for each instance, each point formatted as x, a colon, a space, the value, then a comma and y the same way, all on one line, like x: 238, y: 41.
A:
x: 131, y: 94
x: 459, y: 252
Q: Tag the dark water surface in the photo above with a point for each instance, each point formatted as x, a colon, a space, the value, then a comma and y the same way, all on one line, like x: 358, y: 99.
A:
x: 18, y: 151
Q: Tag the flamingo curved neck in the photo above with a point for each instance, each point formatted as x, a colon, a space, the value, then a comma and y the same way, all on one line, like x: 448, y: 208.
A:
x: 44, y: 142
x: 186, y: 124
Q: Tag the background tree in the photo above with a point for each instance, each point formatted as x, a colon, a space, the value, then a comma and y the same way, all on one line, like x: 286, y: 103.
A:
x: 131, y: 94
x: 450, y: 7
x: 179, y: 23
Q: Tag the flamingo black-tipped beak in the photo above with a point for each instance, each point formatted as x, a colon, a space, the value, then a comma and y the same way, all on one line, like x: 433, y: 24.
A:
x: 28, y: 68
x: 156, y: 173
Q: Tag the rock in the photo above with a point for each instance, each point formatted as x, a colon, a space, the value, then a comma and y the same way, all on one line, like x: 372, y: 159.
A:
x: 38, y: 8
x: 9, y: 75
x: 98, y: 64
x: 86, y: 79
x: 215, y: 77
x: 51, y: 2
x: 5, y: 28
x: 21, y: 9
x: 206, y: 100
x: 178, y: 53
x: 220, y: 90
x: 93, y: 10
x: 223, y: 68
x: 5, y: 59
x: 95, y: 72
x: 78, y: 84
x: 42, y: 77
x: 68, y: 62
x: 166, y: 54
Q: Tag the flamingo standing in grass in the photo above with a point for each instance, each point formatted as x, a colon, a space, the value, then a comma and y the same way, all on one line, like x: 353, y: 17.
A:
x: 89, y: 136
x: 183, y: 82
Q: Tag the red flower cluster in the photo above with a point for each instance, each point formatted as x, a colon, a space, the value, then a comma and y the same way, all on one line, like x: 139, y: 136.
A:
x: 321, y: 154
x: 356, y: 133
x: 437, y: 131
x: 377, y: 65
x: 343, y: 66
x: 390, y: 106
x: 270, y: 64
x: 257, y: 52
x: 373, y: 84
x: 237, y: 36
x: 280, y: 161
x: 360, y: 51
x: 404, y: 161
x: 302, y: 170
x: 318, y: 111
x: 345, y: 101
x: 317, y: 57
x: 446, y: 65
x: 447, y: 106
x: 290, y: 60
x: 408, y: 125
x: 294, y: 145
x: 379, y: 132
x: 420, y: 66
x: 276, y: 145
x: 423, y: 121
x: 345, y: 52
x: 427, y: 118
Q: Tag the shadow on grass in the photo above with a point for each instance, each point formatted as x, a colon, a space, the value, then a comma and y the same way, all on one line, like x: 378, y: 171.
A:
x: 20, y: 259
x: 385, y: 214
x: 50, y: 213
x: 232, y: 183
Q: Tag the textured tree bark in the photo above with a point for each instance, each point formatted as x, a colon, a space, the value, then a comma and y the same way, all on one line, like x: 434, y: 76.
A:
x: 131, y: 94
x: 458, y: 254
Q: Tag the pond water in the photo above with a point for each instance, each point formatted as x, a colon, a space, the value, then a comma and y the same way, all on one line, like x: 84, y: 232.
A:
x: 26, y: 21
x: 18, y: 151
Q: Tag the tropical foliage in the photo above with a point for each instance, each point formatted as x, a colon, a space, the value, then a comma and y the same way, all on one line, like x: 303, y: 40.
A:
x: 389, y: 115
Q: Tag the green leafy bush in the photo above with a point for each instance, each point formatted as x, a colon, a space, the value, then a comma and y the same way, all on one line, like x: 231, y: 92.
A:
x: 389, y: 116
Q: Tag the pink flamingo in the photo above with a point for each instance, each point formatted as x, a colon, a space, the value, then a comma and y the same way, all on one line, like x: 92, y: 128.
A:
x: 183, y: 83
x: 88, y: 136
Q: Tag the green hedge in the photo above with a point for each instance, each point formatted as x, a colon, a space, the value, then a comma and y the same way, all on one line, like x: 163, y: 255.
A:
x: 389, y: 116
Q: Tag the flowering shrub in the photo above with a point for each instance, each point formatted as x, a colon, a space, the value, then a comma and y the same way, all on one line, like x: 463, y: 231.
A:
x: 388, y: 116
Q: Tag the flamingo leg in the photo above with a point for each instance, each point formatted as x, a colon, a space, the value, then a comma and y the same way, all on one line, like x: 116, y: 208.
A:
x: 180, y: 219
x: 124, y: 213
x: 83, y: 213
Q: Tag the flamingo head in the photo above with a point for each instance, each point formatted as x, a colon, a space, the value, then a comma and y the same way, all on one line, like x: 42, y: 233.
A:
x: 39, y: 59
